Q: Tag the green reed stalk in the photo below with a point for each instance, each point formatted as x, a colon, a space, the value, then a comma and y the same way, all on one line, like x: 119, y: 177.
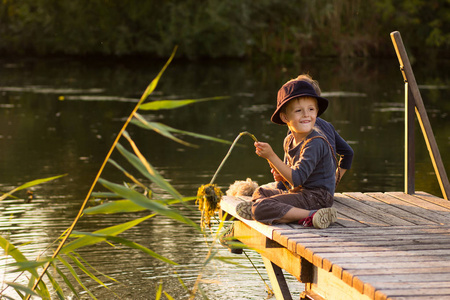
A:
x: 144, y: 96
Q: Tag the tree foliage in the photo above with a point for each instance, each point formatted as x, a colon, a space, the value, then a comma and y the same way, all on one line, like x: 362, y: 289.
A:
x: 279, y: 29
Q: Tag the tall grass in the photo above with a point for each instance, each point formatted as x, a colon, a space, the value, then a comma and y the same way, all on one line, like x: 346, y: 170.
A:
x: 65, y: 259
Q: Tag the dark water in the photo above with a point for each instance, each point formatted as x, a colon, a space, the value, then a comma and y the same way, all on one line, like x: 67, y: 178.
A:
x: 42, y: 136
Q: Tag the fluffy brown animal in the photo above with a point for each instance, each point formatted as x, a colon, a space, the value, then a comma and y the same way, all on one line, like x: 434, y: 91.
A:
x: 242, y: 188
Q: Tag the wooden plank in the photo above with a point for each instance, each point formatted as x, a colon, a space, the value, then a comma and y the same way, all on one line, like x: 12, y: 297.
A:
x: 373, y: 231
x: 418, y: 293
x: 390, y: 239
x: 356, y: 276
x: 410, y: 207
x: 421, y: 202
x: 380, y: 212
x: 386, y: 259
x: 398, y: 253
x: 283, y: 236
x: 305, y: 250
x: 405, y: 277
x: 358, y: 216
x: 392, y: 265
x: 327, y: 260
x: 373, y: 240
x: 385, y: 287
x: 390, y: 271
x: 390, y: 210
x: 346, y: 221
x: 415, y: 298
x: 330, y: 287
x: 412, y: 285
x: 408, y: 244
x: 433, y: 199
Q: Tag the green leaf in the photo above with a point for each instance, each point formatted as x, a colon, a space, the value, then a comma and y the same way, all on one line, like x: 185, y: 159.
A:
x: 168, y: 296
x: 141, y: 248
x: 129, y: 244
x: 75, y: 275
x: 166, y: 131
x: 200, y: 136
x: 28, y: 265
x: 160, y: 128
x: 127, y: 206
x: 145, y: 202
x: 180, y: 280
x: 10, y: 249
x: 104, y: 195
x: 113, y: 230
x: 67, y: 281
x: 158, y: 292
x: 56, y: 286
x: 90, y: 266
x: 19, y: 287
x: 85, y: 270
x: 210, y: 256
x: 30, y: 184
x: 118, y: 206
x: 151, y: 87
x: 153, y: 176
x: 171, y: 104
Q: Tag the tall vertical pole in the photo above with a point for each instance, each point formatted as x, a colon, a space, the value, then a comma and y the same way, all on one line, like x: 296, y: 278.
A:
x: 421, y: 114
x: 409, y: 142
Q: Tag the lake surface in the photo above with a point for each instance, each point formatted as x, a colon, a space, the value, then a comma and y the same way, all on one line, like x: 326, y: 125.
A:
x: 60, y: 116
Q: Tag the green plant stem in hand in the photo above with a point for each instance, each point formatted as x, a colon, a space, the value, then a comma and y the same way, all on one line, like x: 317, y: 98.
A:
x: 229, y: 152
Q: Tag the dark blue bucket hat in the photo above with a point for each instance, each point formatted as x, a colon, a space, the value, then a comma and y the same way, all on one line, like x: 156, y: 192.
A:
x: 294, y: 89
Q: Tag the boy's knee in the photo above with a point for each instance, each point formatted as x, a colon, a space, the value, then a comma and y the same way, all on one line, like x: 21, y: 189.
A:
x: 258, y: 209
x: 257, y: 193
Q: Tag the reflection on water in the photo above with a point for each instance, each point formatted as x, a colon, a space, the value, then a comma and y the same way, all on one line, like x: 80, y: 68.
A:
x: 59, y: 117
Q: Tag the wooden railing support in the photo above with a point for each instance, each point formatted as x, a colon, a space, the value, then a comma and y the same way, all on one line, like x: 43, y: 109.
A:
x: 413, y: 92
x: 410, y: 154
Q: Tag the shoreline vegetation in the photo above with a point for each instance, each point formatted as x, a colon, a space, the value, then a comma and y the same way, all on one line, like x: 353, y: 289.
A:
x: 271, y: 30
x: 137, y: 195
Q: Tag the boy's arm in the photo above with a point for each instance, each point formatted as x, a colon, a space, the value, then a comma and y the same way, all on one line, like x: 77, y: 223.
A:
x: 344, y: 150
x: 265, y: 150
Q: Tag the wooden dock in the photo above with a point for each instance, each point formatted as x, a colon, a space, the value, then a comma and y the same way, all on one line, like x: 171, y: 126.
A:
x: 383, y: 246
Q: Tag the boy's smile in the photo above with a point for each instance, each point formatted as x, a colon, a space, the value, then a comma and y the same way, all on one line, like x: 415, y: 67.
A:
x: 300, y: 116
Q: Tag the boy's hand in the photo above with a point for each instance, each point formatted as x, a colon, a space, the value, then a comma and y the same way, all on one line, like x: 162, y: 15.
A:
x: 263, y: 150
x: 276, y: 175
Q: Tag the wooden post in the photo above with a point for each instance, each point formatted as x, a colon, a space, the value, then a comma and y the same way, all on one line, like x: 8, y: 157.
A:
x: 276, y: 276
x: 409, y: 142
x: 421, y: 114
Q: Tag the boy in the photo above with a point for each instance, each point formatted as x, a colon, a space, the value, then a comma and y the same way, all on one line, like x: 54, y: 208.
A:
x: 309, y: 165
x: 339, y: 145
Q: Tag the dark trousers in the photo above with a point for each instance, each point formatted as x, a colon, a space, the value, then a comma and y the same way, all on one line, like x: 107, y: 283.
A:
x: 270, y: 205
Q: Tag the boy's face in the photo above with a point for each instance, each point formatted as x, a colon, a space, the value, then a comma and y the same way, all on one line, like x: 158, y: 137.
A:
x: 300, y: 114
